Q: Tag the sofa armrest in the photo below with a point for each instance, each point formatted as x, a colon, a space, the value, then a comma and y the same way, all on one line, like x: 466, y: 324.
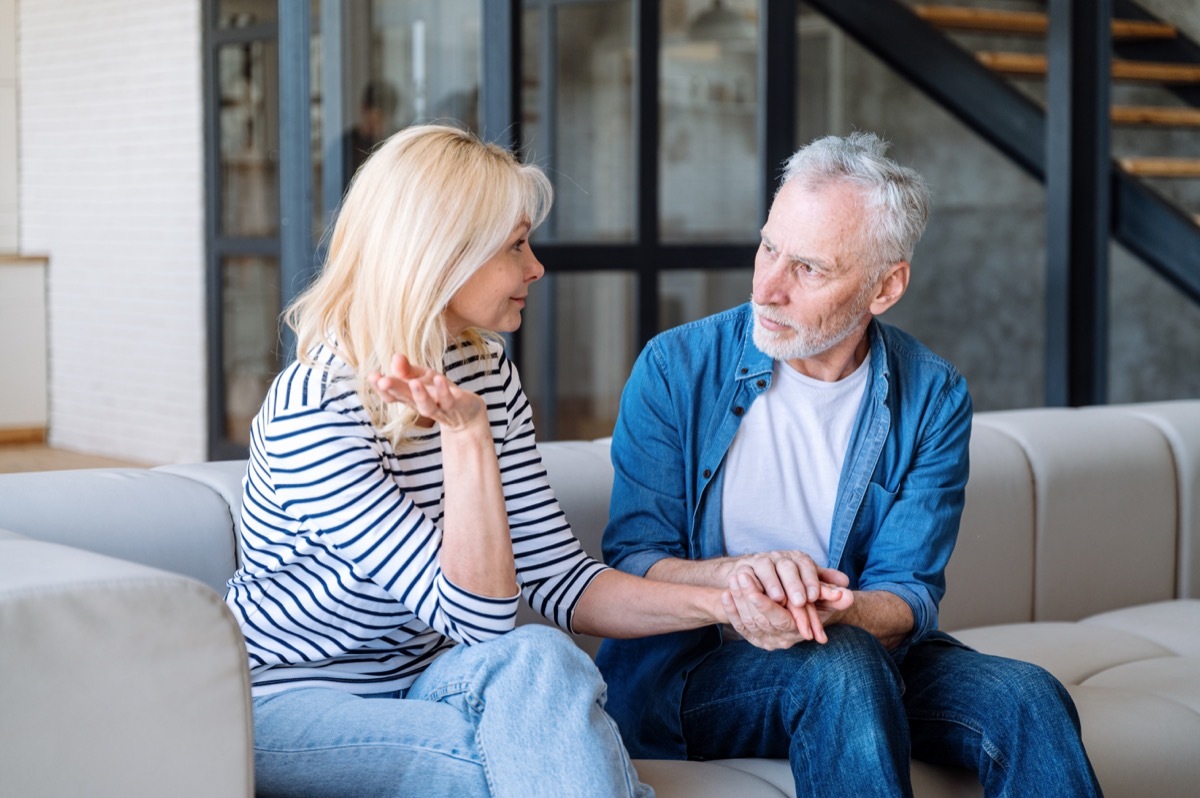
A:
x: 117, y: 679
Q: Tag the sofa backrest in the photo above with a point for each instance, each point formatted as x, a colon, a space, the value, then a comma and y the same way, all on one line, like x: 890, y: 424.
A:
x: 1069, y: 512
x: 150, y: 516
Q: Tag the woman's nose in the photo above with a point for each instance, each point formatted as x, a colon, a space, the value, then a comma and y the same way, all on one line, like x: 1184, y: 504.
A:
x: 534, y: 269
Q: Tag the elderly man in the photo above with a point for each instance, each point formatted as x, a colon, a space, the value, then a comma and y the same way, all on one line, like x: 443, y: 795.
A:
x: 792, y: 446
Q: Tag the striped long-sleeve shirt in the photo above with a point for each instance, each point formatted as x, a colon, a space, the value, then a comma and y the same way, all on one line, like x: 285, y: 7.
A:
x: 340, y: 583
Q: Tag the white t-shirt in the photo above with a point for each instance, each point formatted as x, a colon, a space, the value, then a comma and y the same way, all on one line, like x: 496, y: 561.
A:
x: 783, y: 467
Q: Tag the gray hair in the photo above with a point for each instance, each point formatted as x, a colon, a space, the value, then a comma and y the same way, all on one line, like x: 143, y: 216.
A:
x: 896, y: 196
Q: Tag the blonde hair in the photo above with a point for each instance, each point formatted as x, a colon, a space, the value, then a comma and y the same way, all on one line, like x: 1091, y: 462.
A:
x: 427, y: 209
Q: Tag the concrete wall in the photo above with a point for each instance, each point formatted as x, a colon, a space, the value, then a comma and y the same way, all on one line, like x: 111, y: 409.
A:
x: 978, y: 288
x: 112, y: 192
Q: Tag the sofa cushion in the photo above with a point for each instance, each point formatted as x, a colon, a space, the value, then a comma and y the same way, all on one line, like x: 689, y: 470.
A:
x: 1135, y: 676
x: 118, y: 679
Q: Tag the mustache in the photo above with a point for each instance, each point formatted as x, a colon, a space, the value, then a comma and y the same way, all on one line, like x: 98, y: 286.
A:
x: 770, y: 314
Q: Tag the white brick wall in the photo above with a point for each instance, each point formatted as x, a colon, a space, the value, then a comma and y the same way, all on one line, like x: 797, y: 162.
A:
x: 8, y: 126
x: 112, y: 192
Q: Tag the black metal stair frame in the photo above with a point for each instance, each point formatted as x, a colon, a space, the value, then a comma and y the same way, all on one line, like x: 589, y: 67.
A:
x: 1156, y: 231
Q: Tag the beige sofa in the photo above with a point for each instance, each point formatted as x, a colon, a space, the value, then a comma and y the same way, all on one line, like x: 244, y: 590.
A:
x: 122, y: 673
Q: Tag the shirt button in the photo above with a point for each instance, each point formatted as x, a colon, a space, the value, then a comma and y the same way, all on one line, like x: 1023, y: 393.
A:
x: 761, y: 383
x: 745, y: 370
x: 707, y: 473
x: 737, y: 411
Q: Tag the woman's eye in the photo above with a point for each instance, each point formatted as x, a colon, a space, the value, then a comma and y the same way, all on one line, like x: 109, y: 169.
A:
x: 520, y: 243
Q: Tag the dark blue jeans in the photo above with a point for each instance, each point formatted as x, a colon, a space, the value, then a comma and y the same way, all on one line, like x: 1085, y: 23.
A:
x: 848, y: 718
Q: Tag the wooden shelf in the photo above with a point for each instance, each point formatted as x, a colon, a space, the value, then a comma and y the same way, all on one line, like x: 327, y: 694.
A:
x: 1161, y: 167
x: 1029, y: 23
x: 1034, y: 64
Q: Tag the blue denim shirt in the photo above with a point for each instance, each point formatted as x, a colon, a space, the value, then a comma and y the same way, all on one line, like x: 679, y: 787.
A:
x: 895, y: 521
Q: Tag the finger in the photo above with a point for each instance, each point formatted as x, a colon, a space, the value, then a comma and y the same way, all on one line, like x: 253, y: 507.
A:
x: 768, y: 577
x: 740, y: 587
x: 808, y: 575
x: 814, y: 621
x: 836, y: 598
x: 833, y: 577
x: 793, y: 584
x: 439, y: 390
x: 400, y: 366
x: 735, y: 607
x: 422, y: 401
x: 390, y: 389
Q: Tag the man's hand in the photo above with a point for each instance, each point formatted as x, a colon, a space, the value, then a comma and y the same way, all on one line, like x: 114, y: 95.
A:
x: 787, y: 577
x: 772, y: 625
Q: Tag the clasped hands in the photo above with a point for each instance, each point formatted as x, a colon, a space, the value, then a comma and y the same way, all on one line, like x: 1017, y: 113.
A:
x: 779, y: 598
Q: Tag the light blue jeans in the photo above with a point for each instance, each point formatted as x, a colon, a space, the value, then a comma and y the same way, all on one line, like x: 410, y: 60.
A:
x: 521, y: 715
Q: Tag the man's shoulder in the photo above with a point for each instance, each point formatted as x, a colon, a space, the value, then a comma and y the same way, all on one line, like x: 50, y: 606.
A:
x: 905, y: 349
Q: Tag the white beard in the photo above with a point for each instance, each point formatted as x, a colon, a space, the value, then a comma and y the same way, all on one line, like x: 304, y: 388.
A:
x: 801, y: 343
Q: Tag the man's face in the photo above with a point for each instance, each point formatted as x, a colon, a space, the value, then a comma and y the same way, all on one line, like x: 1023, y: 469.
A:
x: 811, y: 287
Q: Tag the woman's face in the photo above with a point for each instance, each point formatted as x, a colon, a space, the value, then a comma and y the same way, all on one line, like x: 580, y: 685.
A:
x: 494, y: 296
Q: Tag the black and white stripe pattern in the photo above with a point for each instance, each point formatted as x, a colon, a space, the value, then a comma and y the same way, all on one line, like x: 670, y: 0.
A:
x: 340, y: 583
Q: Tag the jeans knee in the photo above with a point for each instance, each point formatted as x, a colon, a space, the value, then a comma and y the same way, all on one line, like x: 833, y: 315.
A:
x: 541, y: 649
x: 1031, y: 690
x: 854, y: 660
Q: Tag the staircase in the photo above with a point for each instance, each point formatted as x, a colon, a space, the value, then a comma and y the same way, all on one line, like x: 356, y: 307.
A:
x: 1026, y: 65
x: 1000, y: 93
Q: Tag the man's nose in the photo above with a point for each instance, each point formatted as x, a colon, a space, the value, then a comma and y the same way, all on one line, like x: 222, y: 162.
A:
x: 768, y: 284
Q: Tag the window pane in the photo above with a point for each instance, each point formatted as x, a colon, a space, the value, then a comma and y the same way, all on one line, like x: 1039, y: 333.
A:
x: 578, y: 345
x: 249, y: 133
x: 577, y: 88
x: 685, y: 296
x: 709, y: 142
x: 250, y: 338
x: 244, y: 13
x: 818, y: 78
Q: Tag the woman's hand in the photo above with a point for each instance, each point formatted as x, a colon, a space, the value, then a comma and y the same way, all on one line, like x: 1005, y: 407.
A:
x: 430, y: 394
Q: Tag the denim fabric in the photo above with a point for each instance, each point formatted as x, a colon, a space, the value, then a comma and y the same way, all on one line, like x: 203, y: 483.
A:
x: 848, y: 715
x: 833, y: 710
x: 521, y: 715
x: 896, y: 516
x: 1010, y: 721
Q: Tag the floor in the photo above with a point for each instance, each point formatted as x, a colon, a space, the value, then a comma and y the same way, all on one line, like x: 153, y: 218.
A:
x: 16, y: 457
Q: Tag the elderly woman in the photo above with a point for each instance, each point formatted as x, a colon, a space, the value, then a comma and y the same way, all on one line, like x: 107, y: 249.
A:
x: 396, y: 510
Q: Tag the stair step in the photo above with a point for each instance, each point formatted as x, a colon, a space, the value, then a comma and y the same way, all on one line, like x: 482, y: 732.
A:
x: 1161, y: 167
x: 1032, y: 23
x: 1035, y: 64
x: 1166, y: 116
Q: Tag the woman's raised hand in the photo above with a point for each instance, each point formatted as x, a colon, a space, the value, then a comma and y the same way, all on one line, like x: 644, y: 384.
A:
x: 430, y: 394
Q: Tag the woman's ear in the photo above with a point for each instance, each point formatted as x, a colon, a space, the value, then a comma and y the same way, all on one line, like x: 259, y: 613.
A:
x: 891, y: 287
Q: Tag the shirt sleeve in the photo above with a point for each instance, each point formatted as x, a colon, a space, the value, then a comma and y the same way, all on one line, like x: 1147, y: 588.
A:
x: 329, y: 474
x: 552, y: 567
x: 648, y: 510
x: 917, y: 523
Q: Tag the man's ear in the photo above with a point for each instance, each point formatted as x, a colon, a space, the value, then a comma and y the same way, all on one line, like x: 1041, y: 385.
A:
x: 891, y: 287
